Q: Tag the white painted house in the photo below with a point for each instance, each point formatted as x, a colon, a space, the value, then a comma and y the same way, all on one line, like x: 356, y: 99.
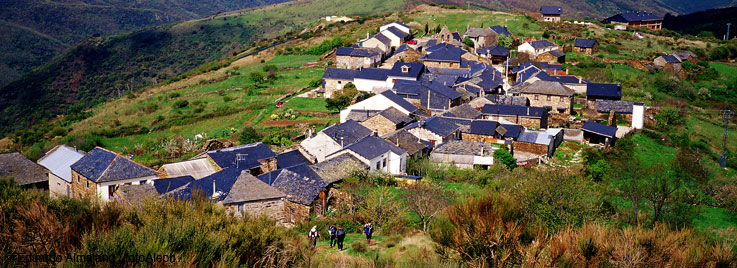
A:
x: 101, y: 171
x: 380, y: 102
x: 378, y: 154
x: 401, y: 26
x: 58, y: 161
x: 535, y: 48
x: 333, y: 139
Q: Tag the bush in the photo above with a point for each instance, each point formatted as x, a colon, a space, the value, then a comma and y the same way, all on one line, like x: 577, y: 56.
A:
x: 180, y: 104
x: 669, y: 117
x: 174, y: 95
x: 359, y: 246
x: 506, y: 158
x: 248, y: 135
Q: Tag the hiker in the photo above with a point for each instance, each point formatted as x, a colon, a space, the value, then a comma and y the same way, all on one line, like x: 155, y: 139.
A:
x: 368, y: 229
x: 340, y: 235
x: 313, y: 235
x: 331, y: 232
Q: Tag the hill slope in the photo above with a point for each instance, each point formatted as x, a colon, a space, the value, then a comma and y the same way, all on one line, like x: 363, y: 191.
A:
x: 32, y: 32
x: 694, y: 23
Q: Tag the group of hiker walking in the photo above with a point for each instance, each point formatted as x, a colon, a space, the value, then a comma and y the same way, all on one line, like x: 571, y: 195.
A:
x: 337, y: 235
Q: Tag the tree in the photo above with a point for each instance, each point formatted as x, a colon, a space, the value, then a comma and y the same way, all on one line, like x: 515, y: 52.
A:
x: 506, y: 41
x: 256, y: 77
x: 249, y: 135
x: 342, y: 98
x: 506, y: 158
x: 468, y: 41
x: 383, y: 208
x: 427, y: 200
x: 427, y: 29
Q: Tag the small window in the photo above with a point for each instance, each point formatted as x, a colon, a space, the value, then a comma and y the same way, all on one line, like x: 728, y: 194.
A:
x: 548, y: 98
x: 339, y: 82
x: 142, y: 182
x: 378, y: 165
x: 537, y: 97
x: 88, y: 184
x: 383, y: 163
x: 561, y: 99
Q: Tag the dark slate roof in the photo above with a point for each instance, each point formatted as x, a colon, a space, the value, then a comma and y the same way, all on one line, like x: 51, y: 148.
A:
x: 377, y: 74
x: 600, y: 129
x: 223, y: 181
x: 620, y: 107
x: 568, y: 79
x: 456, y: 36
x: 604, y: 91
x: 671, y: 59
x: 300, y: 188
x: 539, y: 44
x: 551, y: 10
x: 557, y: 53
x: 442, y: 89
x: 407, y: 88
x: 536, y: 137
x: 440, y: 126
x: 508, y: 100
x: 166, y: 185
x: 460, y: 147
x: 500, y: 30
x: 270, y: 176
x: 337, y: 168
x: 443, y: 52
x: 248, y: 188
x: 101, y: 165
x: 350, y: 131
x: 22, y: 170
x: 399, y: 101
x: 525, y: 111
x: 361, y: 115
x: 543, y: 87
x: 522, y: 67
x: 355, y: 52
x: 134, y: 195
x: 395, y: 116
x: 415, y: 70
x: 397, y: 32
x: 373, y: 146
x: 551, y: 67
x: 382, y: 38
x: 496, y: 51
x: 400, y: 23
x: 405, y: 140
x: 465, y: 111
x: 341, y: 74
x: 483, y: 127
x: 510, y: 130
x: 445, y: 79
x: 253, y: 152
x: 632, y: 17
x: 525, y: 75
x: 584, y: 43
x: 448, y: 71
x: 400, y: 49
x: 289, y: 159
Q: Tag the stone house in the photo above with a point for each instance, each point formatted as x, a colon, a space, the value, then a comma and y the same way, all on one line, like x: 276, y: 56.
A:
x: 481, y: 131
x: 24, y: 172
x: 332, y: 139
x: 380, y: 102
x: 537, y: 142
x: 379, y: 41
x: 396, y: 24
x: 404, y: 71
x: 360, y: 57
x: 446, y: 36
x: 636, y: 19
x: 596, y: 91
x: 403, y: 54
x: 257, y: 158
x: 481, y: 37
x: 387, y: 121
x: 378, y: 155
x: 435, y: 97
x: 535, y: 48
x: 554, y: 55
x: 250, y: 196
x: 529, y: 117
x: 415, y: 147
x: 334, y: 79
x: 585, y: 46
x: 396, y: 35
x: 633, y: 112
x: 58, y: 162
x: 443, y: 56
x: 464, y: 154
x: 547, y: 94
x: 685, y: 56
x: 551, y: 13
x: 306, y: 193
x: 668, y: 61
x: 134, y: 195
x: 500, y: 30
x: 436, y: 130
x: 496, y: 54
x: 99, y: 172
x: 595, y: 133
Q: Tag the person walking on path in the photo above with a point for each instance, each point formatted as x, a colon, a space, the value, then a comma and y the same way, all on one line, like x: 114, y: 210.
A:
x: 368, y: 229
x: 331, y: 232
x: 340, y: 235
x: 313, y: 235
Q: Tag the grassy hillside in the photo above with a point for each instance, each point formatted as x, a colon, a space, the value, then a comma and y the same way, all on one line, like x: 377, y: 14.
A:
x: 108, y: 67
x: 694, y: 23
x: 45, y: 28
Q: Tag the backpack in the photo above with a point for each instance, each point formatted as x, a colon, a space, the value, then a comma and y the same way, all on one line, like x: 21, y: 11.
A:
x: 331, y: 231
x: 313, y: 234
x: 340, y: 232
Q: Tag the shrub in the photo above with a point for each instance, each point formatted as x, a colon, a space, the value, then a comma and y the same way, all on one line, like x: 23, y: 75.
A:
x: 174, y: 95
x: 248, y: 135
x: 669, y: 117
x: 506, y: 158
x: 359, y: 246
x: 180, y: 104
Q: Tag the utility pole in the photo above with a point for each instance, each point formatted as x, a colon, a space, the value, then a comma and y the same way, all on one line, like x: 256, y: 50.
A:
x: 728, y: 25
x: 723, y: 158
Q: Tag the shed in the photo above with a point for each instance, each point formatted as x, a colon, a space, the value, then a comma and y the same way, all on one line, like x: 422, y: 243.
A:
x: 599, y: 134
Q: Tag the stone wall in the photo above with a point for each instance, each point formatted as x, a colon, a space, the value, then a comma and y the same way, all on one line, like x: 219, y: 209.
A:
x: 541, y: 100
x: 441, y: 64
x: 532, y: 148
x: 274, y: 209
x: 379, y: 124
x: 527, y: 122
x: 295, y: 212
x: 349, y: 62
x: 80, y: 188
x: 332, y: 85
x: 58, y: 187
x: 477, y: 137
x: 267, y: 165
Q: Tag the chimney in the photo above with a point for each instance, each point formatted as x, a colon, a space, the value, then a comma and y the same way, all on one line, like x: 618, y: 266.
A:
x: 580, y: 80
x: 367, y: 35
x: 213, y: 188
x: 528, y: 110
x: 566, y: 71
x: 341, y: 142
x: 482, y: 150
x: 75, y: 148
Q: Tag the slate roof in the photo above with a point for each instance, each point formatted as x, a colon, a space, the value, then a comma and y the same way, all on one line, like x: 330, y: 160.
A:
x: 401, y: 49
x: 461, y: 147
x: 442, y: 89
x: 382, y: 38
x: 400, y: 23
x: 197, y: 168
x: 405, y: 140
x: 445, y: 79
x: 337, y: 168
x: 619, y: 107
x: 397, y: 32
x: 361, y: 115
x: 508, y: 100
x: 671, y: 59
x: 495, y: 51
x: 270, y: 176
x: 604, y: 91
x: 584, y: 43
x: 290, y: 159
x: 440, y: 125
x: 448, y: 71
x: 568, y: 79
x: 551, y: 10
x: 456, y: 36
x: 341, y: 74
x: 415, y: 70
x: 476, y: 32
x: 633, y: 17
x: 483, y: 127
x: 134, y: 195
x: 373, y: 146
x: 299, y: 187
x: 248, y: 188
x: 399, y: 101
x: 557, y: 53
x: 684, y: 55
x: 22, y: 170
x: 377, y: 74
x: 253, y: 152
x: 395, y: 116
x: 500, y: 30
x: 59, y: 161
x: 465, y: 111
x: 446, y: 53
x: 513, y: 110
x: 540, y: 44
x: 543, y: 87
x: 551, y: 67
x: 536, y: 137
x: 600, y: 129
x: 510, y: 130
x: 522, y: 67
x: 348, y: 132
x: 529, y: 73
x: 356, y: 52
x: 223, y: 179
x: 102, y: 165
x: 164, y: 186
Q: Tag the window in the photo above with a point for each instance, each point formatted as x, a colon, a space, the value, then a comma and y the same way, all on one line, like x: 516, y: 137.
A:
x: 142, y: 182
x: 383, y: 163
x: 561, y: 99
x: 88, y: 184
x: 548, y: 98
x: 537, y: 97
x: 339, y: 82
x: 378, y: 165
